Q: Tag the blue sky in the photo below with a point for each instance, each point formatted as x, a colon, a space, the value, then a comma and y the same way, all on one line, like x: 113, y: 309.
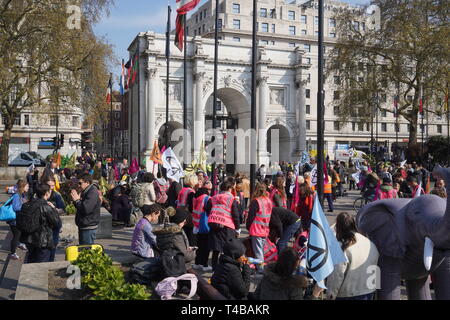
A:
x: 128, y: 18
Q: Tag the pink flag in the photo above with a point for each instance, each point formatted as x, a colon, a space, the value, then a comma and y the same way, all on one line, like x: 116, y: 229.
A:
x: 294, y: 203
x: 134, y: 166
x: 325, y: 171
x: 116, y: 171
x: 163, y: 149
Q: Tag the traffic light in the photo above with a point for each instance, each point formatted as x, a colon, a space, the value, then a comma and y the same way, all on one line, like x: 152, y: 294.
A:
x: 55, y: 141
x: 61, y: 141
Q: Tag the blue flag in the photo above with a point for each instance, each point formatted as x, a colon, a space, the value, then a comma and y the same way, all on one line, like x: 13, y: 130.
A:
x: 323, y: 250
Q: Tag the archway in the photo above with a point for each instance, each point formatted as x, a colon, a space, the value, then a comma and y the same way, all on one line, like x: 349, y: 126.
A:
x: 173, y: 125
x: 279, y: 150
x: 233, y: 113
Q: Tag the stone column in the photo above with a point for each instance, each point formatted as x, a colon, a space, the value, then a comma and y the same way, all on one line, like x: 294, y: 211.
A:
x: 262, y: 130
x: 199, y: 119
x: 301, y: 117
x: 152, y: 96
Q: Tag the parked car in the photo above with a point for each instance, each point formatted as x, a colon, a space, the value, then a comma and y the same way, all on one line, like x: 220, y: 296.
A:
x: 26, y: 159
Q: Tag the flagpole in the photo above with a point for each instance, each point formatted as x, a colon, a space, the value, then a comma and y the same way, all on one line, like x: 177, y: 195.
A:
x: 216, y: 57
x: 111, y: 115
x: 185, y: 95
x: 253, y: 100
x: 320, y: 109
x: 422, y: 116
x: 139, y: 98
x: 166, y: 129
x: 122, y: 110
x: 396, y: 119
x: 130, y: 113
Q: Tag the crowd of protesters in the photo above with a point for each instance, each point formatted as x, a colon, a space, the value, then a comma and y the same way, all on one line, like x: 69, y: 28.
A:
x: 206, y: 223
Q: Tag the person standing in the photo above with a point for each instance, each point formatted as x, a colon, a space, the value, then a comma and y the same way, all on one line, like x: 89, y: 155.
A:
x: 40, y: 243
x: 18, y: 199
x: 186, y: 200
x: 349, y: 279
x: 278, y: 193
x: 223, y: 219
x: 258, y: 221
x: 58, y: 202
x: 88, y: 206
x: 290, y: 186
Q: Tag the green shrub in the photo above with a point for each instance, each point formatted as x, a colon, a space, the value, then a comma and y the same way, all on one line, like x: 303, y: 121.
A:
x: 70, y: 209
x: 105, y: 281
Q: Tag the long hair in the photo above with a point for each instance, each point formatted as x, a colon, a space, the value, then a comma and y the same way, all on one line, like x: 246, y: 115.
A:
x: 21, y: 184
x: 305, y: 190
x: 279, y: 185
x: 345, y: 230
x: 286, y: 263
x: 260, y: 191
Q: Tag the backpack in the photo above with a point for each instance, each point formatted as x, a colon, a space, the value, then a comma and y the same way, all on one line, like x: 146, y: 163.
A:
x: 168, y: 287
x: 144, y: 272
x: 28, y: 218
x: 161, y: 192
x: 173, y: 263
x: 137, y: 195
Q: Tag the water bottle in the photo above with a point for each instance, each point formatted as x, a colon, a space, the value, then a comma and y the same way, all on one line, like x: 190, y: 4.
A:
x: 254, y: 261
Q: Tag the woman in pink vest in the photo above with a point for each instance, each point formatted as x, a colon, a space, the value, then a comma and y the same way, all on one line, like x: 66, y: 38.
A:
x: 185, y: 200
x: 278, y: 193
x: 386, y: 190
x: 258, y: 221
x: 223, y: 219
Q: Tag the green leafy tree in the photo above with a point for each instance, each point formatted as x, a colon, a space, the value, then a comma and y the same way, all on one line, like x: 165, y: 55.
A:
x: 46, y: 65
x: 408, y: 52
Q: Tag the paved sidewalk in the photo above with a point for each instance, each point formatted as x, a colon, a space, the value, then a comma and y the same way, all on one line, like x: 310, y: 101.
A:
x: 118, y: 248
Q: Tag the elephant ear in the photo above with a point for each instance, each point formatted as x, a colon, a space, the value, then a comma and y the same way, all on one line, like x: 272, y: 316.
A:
x: 383, y: 222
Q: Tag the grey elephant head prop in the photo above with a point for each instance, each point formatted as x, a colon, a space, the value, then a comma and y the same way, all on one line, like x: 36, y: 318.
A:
x: 413, y: 238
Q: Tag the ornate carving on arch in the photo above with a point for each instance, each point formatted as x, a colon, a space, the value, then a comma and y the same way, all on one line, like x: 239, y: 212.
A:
x: 199, y: 76
x: 207, y: 85
x: 151, y: 72
x: 227, y: 80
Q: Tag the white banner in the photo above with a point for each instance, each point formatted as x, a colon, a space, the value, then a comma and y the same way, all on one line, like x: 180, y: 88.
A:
x: 314, y: 176
x: 356, y: 176
x: 172, y: 165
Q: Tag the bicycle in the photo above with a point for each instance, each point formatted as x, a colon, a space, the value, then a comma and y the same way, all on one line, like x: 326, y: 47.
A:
x: 361, y: 202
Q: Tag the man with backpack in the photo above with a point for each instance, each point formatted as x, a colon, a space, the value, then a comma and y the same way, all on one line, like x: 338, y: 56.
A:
x: 37, y: 220
x: 88, y: 206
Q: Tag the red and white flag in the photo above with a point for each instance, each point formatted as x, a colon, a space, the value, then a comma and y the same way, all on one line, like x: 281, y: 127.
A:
x: 183, y: 7
x: 109, y: 91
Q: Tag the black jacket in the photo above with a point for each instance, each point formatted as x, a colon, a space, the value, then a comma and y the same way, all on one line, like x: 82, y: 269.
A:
x: 280, y: 219
x: 88, y: 208
x: 43, y: 237
x: 172, y: 194
x: 230, y: 279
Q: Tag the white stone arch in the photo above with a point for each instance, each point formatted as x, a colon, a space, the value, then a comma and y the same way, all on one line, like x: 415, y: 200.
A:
x: 286, y: 134
x: 226, y: 92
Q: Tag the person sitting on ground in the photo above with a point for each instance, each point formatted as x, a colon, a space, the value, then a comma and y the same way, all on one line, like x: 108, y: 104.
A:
x: 279, y: 283
x: 40, y: 243
x: 386, y: 190
x: 232, y: 275
x: 143, y: 243
x: 439, y: 189
x: 349, y: 279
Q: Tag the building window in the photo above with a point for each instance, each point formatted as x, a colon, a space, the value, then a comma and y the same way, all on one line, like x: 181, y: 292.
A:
x: 195, y: 32
x: 384, y: 127
x: 308, y: 77
x: 316, y: 33
x: 304, y: 32
x: 265, y: 27
x: 291, y: 15
x: 397, y: 127
x: 439, y: 128
x: 332, y: 35
x: 303, y: 19
x: 336, y: 125
x: 292, y: 30
x: 196, y: 18
x: 337, y: 80
x: 236, y: 8
x: 367, y: 126
x: 308, y: 93
x: 332, y: 23
x: 236, y: 24
x: 384, y: 113
x: 203, y: 28
x: 265, y: 42
x: 336, y: 95
x: 308, y: 60
x: 308, y: 124
x: 308, y: 109
x: 199, y: 31
x: 117, y: 124
x: 75, y: 122
x: 353, y: 126
x: 316, y: 21
x: 273, y: 28
x: 336, y: 110
x: 53, y: 121
x: 205, y: 13
x: 292, y: 44
x: 356, y: 25
x: 237, y: 39
x: 220, y: 23
x: 307, y: 47
x: 273, y: 43
x: 201, y: 15
x: 263, y: 12
x: 273, y: 13
x: 363, y: 26
x: 360, y: 126
x: 26, y: 120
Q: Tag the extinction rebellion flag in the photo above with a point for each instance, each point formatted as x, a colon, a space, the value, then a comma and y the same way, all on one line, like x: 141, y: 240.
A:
x: 183, y: 7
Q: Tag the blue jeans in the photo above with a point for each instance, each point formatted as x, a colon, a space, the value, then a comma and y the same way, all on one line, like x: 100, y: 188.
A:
x: 287, y: 235
x: 258, y: 249
x: 55, y: 243
x: 86, y: 237
x: 363, y: 297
